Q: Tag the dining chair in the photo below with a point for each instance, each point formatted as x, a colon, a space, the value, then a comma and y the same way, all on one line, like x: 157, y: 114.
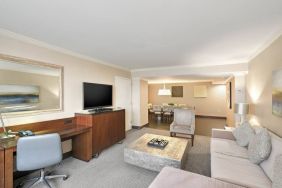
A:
x: 167, y: 113
x: 157, y: 112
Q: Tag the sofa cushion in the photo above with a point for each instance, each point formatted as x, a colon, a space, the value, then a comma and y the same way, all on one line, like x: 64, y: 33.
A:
x: 228, y: 147
x: 257, y: 128
x: 238, y: 171
x: 243, y: 134
x: 268, y: 164
x: 260, y: 147
x: 176, y: 178
x: 277, y: 172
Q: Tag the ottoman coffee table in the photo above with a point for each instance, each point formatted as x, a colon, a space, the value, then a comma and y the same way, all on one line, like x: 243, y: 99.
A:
x: 140, y: 154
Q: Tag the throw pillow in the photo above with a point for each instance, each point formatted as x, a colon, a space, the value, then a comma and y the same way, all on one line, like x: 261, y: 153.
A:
x: 243, y: 134
x: 277, y: 172
x: 260, y: 147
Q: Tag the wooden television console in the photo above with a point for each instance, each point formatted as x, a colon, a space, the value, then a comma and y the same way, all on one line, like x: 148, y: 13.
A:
x: 108, y: 127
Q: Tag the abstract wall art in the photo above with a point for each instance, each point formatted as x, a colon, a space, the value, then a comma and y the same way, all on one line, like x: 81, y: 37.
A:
x: 18, y: 94
x: 277, y: 92
x: 200, y: 91
x: 176, y: 91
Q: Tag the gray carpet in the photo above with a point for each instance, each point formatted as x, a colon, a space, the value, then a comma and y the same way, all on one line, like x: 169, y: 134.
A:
x: 109, y: 169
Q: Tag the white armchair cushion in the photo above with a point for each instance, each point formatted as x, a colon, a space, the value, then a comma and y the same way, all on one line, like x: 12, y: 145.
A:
x: 181, y: 129
x: 183, y: 117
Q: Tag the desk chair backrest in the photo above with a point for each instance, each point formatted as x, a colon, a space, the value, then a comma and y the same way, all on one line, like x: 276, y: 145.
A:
x: 37, y: 152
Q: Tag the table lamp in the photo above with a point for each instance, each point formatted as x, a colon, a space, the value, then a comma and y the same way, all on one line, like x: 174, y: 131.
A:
x: 242, y: 109
x: 4, y: 135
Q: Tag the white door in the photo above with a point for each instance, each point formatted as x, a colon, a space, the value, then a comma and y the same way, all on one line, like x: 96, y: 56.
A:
x: 123, y: 98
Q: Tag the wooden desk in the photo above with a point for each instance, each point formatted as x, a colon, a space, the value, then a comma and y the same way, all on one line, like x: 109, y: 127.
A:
x: 2, y: 167
x: 81, y: 147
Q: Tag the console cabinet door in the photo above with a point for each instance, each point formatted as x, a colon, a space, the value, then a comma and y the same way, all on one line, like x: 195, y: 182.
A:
x: 107, y: 128
x: 101, y: 132
x: 120, y: 126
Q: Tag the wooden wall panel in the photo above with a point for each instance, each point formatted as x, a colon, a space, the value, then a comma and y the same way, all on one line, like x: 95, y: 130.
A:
x: 9, y: 168
x: 2, y: 167
x: 58, y: 124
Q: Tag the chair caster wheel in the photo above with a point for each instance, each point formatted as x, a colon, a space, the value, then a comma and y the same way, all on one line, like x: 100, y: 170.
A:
x: 65, y: 178
x: 19, y: 185
x: 96, y: 155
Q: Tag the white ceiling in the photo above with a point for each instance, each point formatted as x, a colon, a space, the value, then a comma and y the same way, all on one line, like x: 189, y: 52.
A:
x: 137, y: 34
x: 186, y: 79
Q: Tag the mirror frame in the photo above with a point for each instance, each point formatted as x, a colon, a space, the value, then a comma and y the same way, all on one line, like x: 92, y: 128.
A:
x: 26, y: 61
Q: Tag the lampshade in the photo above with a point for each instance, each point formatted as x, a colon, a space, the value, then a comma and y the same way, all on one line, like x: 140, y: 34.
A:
x: 241, y: 108
x: 164, y: 92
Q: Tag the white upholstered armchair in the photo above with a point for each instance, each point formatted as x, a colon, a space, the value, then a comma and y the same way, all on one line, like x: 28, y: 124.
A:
x: 183, y: 123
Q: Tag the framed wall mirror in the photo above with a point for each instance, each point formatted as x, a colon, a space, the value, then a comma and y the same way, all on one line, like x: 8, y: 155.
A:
x: 28, y: 86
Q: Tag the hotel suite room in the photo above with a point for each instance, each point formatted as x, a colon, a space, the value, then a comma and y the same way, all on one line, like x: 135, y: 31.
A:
x: 141, y: 94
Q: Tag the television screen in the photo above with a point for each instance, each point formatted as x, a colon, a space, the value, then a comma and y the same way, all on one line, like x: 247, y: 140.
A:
x: 97, y: 95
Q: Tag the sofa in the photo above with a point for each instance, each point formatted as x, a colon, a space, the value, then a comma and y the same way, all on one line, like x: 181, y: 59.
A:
x: 230, y: 166
x: 175, y: 178
x: 230, y: 163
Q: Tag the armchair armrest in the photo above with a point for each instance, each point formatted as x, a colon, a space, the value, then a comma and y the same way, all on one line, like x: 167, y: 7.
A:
x: 221, y: 133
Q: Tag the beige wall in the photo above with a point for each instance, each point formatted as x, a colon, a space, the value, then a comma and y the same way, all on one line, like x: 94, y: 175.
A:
x: 213, y: 105
x: 139, y: 102
x: 143, y: 102
x: 76, y: 71
x: 230, y: 118
x: 135, y: 115
x: 48, y: 85
x: 259, y: 86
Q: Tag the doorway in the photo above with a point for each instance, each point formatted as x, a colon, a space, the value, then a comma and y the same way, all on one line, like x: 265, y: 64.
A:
x: 123, y: 98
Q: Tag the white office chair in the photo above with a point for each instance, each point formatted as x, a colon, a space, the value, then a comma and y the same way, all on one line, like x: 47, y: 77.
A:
x: 38, y: 152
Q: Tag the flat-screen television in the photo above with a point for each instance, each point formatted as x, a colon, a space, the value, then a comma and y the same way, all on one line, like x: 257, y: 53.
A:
x: 97, y: 95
